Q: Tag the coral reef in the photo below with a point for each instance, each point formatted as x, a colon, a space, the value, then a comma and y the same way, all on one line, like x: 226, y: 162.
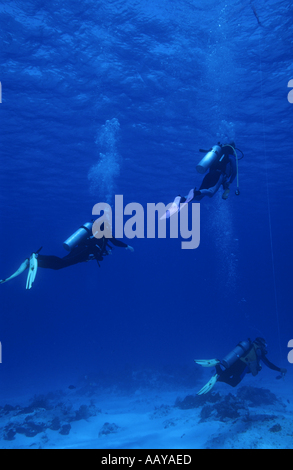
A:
x: 232, y: 407
x: 108, y: 428
x: 43, y: 414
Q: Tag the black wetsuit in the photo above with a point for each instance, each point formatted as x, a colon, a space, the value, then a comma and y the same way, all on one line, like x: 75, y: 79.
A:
x: 92, y: 249
x: 234, y: 374
x: 221, y: 172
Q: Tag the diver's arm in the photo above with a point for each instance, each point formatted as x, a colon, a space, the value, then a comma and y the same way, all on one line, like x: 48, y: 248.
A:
x: 270, y: 365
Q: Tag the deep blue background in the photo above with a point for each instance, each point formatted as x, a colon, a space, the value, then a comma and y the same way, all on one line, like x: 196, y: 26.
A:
x: 116, y: 97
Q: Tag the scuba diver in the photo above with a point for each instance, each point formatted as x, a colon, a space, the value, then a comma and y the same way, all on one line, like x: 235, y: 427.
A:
x: 243, y: 359
x: 222, y: 162
x: 82, y: 245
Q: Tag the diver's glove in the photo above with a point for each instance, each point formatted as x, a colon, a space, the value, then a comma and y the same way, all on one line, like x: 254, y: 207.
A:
x: 283, y: 372
x: 207, y: 362
x: 208, y: 387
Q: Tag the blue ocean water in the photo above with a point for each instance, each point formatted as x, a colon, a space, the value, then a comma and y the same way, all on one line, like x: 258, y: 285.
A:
x: 117, y: 97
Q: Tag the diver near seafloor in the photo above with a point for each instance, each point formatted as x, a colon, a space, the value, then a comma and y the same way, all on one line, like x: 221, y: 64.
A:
x: 82, y: 245
x: 221, y: 161
x: 243, y: 359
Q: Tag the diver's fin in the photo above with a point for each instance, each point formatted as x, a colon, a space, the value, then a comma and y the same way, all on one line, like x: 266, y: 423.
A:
x: 167, y: 215
x: 130, y: 248
x: 175, y: 207
x: 208, y: 387
x: 20, y: 270
x: 190, y: 195
x: 207, y: 362
x: 32, y: 271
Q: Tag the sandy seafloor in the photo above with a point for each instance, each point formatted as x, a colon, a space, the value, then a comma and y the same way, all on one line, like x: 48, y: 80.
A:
x: 258, y: 414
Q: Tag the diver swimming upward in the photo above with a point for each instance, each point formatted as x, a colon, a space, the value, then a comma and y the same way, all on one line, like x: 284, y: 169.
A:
x: 83, y: 247
x: 222, y: 162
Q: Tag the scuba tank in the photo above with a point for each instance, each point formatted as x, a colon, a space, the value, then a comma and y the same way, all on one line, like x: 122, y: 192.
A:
x: 211, y: 157
x: 84, y: 232
x: 241, y: 348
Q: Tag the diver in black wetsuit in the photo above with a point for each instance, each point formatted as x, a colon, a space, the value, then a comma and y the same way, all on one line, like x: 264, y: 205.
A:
x: 244, y: 359
x: 222, y: 171
x: 92, y: 249
x: 83, y: 246
x: 221, y: 161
